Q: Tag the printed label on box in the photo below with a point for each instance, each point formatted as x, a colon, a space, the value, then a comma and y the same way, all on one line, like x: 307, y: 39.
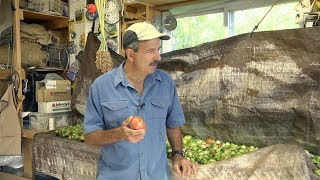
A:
x: 60, y: 106
x: 52, y: 107
x: 51, y: 84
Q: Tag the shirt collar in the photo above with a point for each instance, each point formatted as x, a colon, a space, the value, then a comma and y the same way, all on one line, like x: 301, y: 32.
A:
x: 121, y: 77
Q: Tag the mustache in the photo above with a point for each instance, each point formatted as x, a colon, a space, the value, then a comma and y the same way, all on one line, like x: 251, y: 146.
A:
x: 154, y: 63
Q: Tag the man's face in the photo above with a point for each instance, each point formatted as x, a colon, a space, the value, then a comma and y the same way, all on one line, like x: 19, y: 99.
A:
x: 302, y: 7
x: 148, y: 55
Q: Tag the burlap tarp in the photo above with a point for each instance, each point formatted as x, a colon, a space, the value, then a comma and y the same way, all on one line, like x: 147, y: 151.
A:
x: 68, y: 159
x: 35, y: 32
x: 88, y: 72
x: 31, y: 54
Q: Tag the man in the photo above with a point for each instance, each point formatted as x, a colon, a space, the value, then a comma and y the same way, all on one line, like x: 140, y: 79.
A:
x: 137, y: 88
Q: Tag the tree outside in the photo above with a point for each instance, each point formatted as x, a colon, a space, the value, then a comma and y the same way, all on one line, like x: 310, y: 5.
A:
x: 280, y: 17
x: 192, y: 31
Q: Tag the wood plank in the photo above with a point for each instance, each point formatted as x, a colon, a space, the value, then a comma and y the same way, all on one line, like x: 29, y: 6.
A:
x: 158, y: 2
x: 29, y: 133
x: 164, y: 5
x: 27, y: 138
x: 16, y: 63
x: 168, y: 6
x: 4, y: 73
x: 52, y: 21
x: 132, y: 22
x: 26, y: 144
x: 131, y: 9
x: 6, y: 176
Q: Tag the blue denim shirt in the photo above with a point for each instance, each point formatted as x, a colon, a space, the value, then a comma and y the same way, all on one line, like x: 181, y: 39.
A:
x: 111, y: 100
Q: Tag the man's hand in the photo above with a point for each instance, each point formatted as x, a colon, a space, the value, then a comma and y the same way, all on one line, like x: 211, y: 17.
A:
x: 184, y: 167
x: 131, y: 135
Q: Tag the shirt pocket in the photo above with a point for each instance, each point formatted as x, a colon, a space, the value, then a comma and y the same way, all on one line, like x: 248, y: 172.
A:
x: 115, y: 112
x: 159, y: 108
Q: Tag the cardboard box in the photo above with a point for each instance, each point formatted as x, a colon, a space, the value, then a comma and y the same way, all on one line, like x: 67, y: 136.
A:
x: 53, y: 90
x: 54, y: 107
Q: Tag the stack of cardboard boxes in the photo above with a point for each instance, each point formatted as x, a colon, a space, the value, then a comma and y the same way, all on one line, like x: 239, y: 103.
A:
x: 54, y: 103
x: 53, y: 96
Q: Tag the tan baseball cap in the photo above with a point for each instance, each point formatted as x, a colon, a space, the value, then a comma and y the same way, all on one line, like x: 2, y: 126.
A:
x: 140, y: 32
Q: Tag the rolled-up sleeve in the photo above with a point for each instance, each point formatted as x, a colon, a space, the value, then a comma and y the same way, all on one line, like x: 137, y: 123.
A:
x: 93, y: 118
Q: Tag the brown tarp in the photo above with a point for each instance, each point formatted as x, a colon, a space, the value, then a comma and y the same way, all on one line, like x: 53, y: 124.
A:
x: 88, y: 72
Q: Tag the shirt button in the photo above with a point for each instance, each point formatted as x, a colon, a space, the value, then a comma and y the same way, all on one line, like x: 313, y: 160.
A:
x: 142, y: 154
x: 142, y: 171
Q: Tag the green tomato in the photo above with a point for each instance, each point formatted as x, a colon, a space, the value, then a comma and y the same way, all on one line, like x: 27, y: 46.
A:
x: 187, y: 138
x: 192, y: 144
x: 189, y: 154
x: 243, y: 146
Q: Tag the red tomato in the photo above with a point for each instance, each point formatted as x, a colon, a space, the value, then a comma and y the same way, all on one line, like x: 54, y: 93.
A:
x: 210, y: 140
x: 137, y: 123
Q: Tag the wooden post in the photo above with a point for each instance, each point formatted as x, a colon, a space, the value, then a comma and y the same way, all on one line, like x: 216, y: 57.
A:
x: 16, y: 61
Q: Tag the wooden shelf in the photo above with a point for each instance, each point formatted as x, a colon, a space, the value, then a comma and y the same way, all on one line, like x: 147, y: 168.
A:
x: 48, y: 21
x: 4, y: 73
x: 11, y: 176
x: 135, y: 7
x: 134, y: 21
x: 29, y: 133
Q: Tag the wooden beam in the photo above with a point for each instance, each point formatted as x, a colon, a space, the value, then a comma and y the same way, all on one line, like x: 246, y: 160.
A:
x: 169, y: 6
x: 149, y: 13
x: 131, y: 9
x: 4, y: 73
x: 16, y: 63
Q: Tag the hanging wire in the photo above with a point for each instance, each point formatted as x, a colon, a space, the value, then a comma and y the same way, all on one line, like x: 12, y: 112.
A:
x: 256, y: 27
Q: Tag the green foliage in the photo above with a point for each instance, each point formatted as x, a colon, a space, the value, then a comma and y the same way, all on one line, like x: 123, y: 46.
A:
x: 75, y: 132
x: 192, y: 31
x: 280, y: 17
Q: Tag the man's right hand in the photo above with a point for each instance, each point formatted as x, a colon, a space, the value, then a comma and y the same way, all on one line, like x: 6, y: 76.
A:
x: 132, y: 135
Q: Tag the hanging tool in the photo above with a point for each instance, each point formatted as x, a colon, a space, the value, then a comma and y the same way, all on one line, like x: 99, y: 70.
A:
x: 91, y: 8
x: 256, y: 27
x: 91, y: 13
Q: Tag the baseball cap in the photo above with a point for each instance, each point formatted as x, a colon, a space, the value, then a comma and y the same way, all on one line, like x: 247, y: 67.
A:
x: 140, y: 32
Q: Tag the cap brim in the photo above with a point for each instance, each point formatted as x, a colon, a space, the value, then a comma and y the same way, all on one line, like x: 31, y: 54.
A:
x: 154, y: 36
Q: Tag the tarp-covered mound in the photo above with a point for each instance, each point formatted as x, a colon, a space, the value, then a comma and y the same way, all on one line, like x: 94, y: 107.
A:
x: 261, y: 90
